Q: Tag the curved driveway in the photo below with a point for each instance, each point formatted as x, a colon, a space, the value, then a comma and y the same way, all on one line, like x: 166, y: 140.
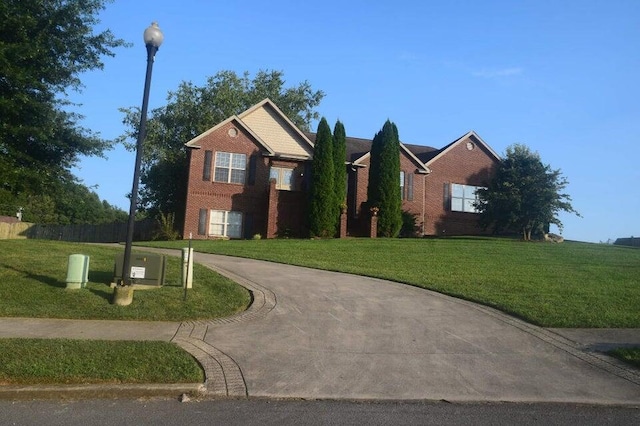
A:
x: 318, y: 334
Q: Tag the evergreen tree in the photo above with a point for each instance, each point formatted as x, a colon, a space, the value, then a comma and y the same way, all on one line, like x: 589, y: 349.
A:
x: 340, y: 169
x: 322, y: 203
x: 384, y: 180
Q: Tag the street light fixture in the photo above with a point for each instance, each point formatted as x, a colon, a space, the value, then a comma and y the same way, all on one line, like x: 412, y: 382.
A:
x: 153, y: 38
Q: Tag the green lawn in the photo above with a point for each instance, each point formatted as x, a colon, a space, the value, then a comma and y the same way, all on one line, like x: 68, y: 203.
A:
x: 553, y: 285
x: 32, y: 284
x: 62, y: 361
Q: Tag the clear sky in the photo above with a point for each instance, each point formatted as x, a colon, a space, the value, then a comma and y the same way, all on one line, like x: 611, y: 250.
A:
x: 561, y: 77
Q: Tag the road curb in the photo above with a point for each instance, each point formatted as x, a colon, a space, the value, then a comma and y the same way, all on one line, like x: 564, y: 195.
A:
x: 99, y: 391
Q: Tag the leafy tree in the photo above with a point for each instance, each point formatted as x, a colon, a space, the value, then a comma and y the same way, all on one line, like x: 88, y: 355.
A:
x: 322, y: 200
x: 340, y: 169
x: 190, y: 111
x: 44, y: 46
x: 383, y: 191
x: 69, y: 202
x: 524, y: 195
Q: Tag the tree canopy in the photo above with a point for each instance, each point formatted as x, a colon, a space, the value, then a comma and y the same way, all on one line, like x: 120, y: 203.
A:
x: 44, y: 47
x: 193, y: 109
x: 524, y: 195
x: 383, y: 191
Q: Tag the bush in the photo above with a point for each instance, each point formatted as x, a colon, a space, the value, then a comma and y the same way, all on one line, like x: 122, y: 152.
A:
x: 166, y: 228
x: 409, y: 228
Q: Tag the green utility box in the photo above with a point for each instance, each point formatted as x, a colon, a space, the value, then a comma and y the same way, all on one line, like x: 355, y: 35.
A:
x: 146, y: 268
x: 78, y: 271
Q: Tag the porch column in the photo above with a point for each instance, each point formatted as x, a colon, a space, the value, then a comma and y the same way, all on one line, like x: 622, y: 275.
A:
x: 272, y: 210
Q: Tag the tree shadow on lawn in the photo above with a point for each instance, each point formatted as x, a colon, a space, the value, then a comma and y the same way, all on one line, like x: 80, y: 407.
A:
x: 36, y: 277
x: 103, y: 277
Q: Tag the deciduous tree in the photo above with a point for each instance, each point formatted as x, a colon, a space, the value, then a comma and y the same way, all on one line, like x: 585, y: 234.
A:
x: 193, y: 109
x: 524, y: 195
x: 44, y: 47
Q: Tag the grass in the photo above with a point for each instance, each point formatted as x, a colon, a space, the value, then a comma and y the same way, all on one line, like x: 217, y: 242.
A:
x: 628, y: 355
x: 62, y: 361
x: 32, y: 284
x: 552, y: 285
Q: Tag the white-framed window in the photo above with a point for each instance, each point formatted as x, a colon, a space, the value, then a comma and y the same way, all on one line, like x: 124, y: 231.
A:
x: 401, y: 185
x: 230, y: 167
x: 225, y: 224
x: 463, y: 197
x: 283, y: 177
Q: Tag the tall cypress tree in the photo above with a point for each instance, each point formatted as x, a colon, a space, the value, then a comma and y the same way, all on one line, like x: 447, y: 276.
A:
x: 322, y: 205
x: 384, y: 180
x: 340, y: 169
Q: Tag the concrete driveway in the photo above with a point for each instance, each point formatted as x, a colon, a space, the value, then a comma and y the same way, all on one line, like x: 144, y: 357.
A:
x: 317, y: 334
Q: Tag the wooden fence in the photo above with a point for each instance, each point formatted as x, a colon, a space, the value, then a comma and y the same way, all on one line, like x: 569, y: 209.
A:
x: 105, y: 233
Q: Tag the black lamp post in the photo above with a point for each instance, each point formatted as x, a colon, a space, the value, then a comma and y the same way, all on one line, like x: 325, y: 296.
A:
x: 153, y: 38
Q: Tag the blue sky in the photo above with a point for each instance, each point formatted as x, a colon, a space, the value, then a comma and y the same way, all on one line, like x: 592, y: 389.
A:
x: 558, y: 76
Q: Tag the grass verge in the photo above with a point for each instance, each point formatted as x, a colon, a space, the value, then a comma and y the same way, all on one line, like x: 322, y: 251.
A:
x: 63, y: 361
x: 32, y: 284
x: 552, y: 285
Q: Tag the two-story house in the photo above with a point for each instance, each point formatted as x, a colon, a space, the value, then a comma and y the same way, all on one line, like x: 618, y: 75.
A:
x: 249, y: 175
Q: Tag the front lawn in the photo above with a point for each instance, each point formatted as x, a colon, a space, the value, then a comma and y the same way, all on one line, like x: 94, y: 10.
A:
x: 62, y: 361
x: 552, y: 285
x: 32, y: 284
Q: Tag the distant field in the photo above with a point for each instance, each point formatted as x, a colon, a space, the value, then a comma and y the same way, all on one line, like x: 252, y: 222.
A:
x: 553, y: 285
x: 32, y: 284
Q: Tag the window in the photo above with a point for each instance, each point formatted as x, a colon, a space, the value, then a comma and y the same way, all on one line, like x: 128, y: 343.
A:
x: 402, y: 185
x: 283, y: 177
x: 230, y: 168
x: 225, y: 224
x: 463, y: 197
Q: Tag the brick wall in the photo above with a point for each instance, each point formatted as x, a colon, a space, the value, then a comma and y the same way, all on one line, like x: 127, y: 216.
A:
x: 250, y: 199
x: 206, y: 194
x: 359, y: 216
x: 462, y: 166
x: 431, y: 204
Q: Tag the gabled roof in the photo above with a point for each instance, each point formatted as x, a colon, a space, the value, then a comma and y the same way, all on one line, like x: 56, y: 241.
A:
x: 276, y: 130
x: 359, y: 149
x: 271, y: 129
x: 193, y: 143
x: 469, y: 135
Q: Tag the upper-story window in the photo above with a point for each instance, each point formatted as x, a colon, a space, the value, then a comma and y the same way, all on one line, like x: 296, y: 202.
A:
x: 283, y: 177
x: 463, y: 198
x: 230, y: 167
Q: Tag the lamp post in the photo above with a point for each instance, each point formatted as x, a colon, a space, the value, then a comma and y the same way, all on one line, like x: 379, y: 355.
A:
x: 153, y: 38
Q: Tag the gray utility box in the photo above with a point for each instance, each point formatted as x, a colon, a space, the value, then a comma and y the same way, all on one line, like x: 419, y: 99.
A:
x: 146, y: 268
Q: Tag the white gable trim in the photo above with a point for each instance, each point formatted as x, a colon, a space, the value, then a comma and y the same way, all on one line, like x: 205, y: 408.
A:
x: 423, y: 168
x: 269, y: 102
x: 459, y: 140
x: 193, y: 143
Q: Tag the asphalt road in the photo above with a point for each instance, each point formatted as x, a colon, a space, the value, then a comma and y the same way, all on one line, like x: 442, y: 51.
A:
x: 267, y: 412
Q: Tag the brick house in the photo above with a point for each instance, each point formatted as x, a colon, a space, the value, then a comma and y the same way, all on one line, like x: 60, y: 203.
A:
x: 249, y: 175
